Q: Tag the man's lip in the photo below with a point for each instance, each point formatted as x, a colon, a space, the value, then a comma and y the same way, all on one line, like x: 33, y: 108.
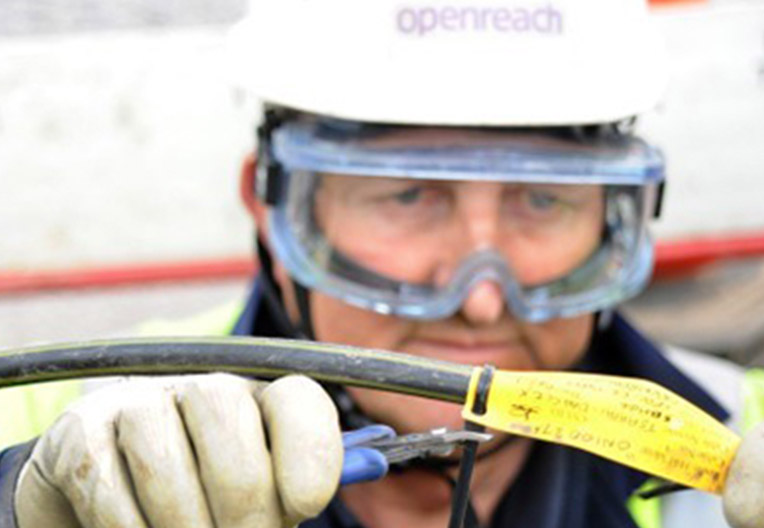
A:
x: 463, y: 349
x: 466, y: 344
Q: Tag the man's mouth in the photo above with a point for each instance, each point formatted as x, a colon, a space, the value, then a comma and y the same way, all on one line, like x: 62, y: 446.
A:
x: 503, y: 353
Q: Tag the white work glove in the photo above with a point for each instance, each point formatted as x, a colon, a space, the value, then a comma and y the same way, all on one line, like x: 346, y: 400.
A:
x: 186, y: 452
x: 743, y: 496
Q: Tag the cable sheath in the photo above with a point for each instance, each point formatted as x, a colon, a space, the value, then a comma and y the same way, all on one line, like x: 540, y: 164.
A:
x: 247, y: 356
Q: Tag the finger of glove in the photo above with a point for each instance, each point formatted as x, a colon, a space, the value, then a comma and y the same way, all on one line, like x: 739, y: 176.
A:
x: 226, y: 430
x: 153, y: 439
x: 76, y: 476
x: 38, y: 504
x: 743, y: 495
x: 306, y: 445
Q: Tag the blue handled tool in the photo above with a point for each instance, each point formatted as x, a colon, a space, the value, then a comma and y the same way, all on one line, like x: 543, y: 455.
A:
x: 369, y: 451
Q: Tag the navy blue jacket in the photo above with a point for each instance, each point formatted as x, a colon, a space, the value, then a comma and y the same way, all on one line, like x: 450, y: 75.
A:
x: 558, y: 487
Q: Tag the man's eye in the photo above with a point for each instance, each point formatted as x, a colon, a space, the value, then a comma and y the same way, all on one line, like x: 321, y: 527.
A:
x: 541, y: 200
x: 409, y: 196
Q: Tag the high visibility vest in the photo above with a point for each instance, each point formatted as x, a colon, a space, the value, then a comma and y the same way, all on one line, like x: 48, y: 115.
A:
x: 27, y: 411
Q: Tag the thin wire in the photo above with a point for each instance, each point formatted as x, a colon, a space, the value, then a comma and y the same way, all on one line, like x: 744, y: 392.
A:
x: 461, y: 499
x: 661, y: 490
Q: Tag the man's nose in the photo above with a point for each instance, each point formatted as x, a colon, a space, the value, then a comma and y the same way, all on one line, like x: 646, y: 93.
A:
x: 480, y: 206
x: 484, y: 304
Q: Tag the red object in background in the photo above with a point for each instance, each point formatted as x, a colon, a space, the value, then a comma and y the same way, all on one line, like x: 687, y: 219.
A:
x: 658, y: 3
x: 126, y: 275
x: 683, y: 257
x: 674, y: 259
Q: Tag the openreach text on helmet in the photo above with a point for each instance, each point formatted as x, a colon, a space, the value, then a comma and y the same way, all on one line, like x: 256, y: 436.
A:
x: 427, y: 20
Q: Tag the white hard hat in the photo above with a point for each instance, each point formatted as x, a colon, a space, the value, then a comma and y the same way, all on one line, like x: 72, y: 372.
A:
x: 454, y: 63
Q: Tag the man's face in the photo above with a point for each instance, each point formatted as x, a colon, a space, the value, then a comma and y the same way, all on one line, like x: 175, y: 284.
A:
x: 419, y: 232
x: 479, y: 334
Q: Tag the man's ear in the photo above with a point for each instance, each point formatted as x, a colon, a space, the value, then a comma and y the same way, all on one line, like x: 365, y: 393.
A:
x: 247, y: 192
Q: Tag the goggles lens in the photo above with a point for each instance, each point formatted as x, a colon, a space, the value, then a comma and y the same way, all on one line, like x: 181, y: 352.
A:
x: 416, y: 246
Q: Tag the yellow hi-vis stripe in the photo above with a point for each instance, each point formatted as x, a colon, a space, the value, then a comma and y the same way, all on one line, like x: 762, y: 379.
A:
x: 25, y: 412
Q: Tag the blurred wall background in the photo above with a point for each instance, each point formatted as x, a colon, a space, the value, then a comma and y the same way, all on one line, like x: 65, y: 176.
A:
x: 119, y: 136
x: 120, y: 144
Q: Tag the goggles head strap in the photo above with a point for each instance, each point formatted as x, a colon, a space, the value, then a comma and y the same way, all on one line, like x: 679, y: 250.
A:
x: 659, y: 199
x: 272, y: 296
x: 269, y: 174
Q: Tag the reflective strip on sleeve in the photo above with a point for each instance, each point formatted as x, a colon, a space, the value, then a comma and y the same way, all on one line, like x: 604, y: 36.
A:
x: 218, y: 321
x: 753, y: 399
x: 645, y: 512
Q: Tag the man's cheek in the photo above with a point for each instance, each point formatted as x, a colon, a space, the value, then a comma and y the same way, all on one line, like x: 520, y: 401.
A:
x: 339, y: 322
x: 563, y: 342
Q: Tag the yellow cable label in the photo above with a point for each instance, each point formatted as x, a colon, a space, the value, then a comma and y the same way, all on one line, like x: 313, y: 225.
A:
x: 631, y: 421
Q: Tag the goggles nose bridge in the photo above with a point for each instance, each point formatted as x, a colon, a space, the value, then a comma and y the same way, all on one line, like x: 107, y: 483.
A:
x: 487, y: 265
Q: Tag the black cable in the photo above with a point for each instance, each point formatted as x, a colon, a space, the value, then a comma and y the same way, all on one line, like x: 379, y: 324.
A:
x: 248, y: 356
x: 470, y: 516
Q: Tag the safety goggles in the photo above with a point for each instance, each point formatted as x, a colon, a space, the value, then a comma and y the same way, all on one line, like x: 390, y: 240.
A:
x: 407, y: 221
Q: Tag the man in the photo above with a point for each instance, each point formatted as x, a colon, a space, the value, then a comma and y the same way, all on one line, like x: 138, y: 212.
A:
x: 453, y: 182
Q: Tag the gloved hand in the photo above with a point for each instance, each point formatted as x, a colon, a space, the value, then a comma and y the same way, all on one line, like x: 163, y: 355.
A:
x: 743, y: 496
x: 186, y: 452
